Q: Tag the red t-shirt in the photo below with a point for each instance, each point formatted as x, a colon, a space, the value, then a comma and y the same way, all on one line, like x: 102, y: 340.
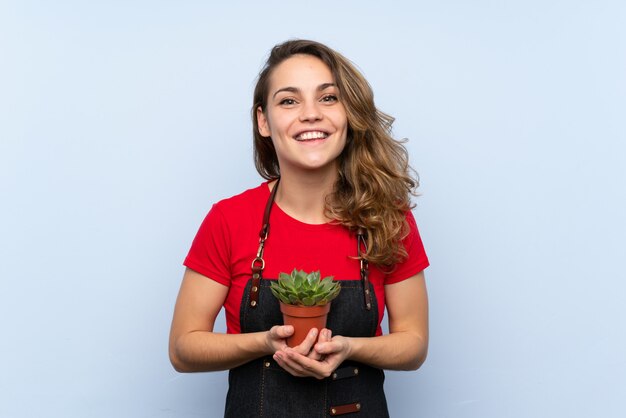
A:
x: 228, y: 239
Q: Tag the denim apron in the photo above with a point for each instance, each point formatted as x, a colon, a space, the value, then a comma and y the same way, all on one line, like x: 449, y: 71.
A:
x: 261, y: 388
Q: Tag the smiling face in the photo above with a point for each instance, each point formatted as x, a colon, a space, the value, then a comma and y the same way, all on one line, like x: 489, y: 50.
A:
x: 304, y: 116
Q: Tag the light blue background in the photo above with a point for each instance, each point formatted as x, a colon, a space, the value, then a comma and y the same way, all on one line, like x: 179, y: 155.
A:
x: 121, y: 122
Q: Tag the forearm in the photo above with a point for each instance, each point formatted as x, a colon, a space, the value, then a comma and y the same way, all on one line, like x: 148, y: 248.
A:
x: 406, y: 345
x: 201, y: 351
x: 396, y: 351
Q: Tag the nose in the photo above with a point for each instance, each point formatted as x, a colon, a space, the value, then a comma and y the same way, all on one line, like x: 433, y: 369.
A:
x: 310, y: 112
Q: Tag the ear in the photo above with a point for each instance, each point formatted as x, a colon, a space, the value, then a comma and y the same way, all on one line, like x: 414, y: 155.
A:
x: 262, y: 124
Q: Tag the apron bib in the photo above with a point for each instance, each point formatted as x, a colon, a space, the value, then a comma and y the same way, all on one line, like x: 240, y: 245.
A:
x: 261, y: 388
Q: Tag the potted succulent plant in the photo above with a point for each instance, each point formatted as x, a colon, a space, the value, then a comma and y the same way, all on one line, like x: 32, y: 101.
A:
x: 304, y: 301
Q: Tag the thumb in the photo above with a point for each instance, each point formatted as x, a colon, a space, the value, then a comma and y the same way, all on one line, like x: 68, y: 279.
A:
x: 283, y: 331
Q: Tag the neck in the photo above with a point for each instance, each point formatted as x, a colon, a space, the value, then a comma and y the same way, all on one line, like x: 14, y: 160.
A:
x: 304, y: 197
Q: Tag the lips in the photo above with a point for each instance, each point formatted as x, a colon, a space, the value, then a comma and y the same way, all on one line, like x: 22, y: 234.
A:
x: 311, y: 135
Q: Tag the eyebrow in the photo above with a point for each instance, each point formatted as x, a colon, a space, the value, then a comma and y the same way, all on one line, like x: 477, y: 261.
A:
x: 321, y: 87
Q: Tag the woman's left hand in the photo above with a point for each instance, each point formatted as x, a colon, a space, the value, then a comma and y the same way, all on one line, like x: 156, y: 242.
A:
x: 326, y: 356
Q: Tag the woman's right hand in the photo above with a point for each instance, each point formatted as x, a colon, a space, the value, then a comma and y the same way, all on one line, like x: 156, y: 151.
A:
x: 276, y: 340
x: 276, y: 337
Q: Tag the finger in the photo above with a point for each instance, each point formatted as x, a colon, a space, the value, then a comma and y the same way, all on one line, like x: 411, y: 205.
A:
x: 305, y: 365
x: 324, y: 344
x: 282, y: 331
x: 282, y: 360
x: 276, y: 337
x: 297, y: 364
x: 305, y: 346
x: 325, y: 335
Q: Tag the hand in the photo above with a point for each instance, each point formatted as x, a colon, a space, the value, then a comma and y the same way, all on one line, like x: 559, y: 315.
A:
x: 325, y: 357
x: 276, y: 337
x: 325, y: 336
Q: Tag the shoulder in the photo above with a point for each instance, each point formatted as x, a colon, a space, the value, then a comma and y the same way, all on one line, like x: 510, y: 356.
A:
x: 237, y: 211
x: 228, y: 224
x: 412, y: 233
x: 416, y: 259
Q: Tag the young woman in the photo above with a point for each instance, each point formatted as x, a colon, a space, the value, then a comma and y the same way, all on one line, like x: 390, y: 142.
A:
x: 336, y: 199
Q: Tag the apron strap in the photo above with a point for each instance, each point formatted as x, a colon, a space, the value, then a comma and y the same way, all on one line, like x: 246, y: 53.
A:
x: 258, y: 264
x: 361, y: 242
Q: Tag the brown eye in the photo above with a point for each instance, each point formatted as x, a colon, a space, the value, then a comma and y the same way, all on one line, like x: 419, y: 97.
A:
x: 287, y: 102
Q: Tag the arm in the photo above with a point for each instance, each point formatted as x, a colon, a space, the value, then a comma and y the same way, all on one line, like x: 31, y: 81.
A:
x: 404, y: 348
x: 406, y: 345
x: 193, y: 345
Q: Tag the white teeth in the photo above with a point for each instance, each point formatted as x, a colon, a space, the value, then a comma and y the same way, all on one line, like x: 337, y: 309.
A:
x: 311, y: 135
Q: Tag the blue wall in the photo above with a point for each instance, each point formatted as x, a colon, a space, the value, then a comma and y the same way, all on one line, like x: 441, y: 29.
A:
x: 122, y: 122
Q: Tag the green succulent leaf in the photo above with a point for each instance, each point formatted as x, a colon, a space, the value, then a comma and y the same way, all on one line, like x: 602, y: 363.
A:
x: 307, y: 289
x: 326, y: 281
x: 283, y: 298
x: 312, y: 278
x: 297, y: 281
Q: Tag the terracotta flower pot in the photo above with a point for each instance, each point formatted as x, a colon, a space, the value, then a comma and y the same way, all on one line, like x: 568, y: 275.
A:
x: 303, y: 318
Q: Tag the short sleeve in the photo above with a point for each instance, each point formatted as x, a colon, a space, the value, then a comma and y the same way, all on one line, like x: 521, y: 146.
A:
x: 209, y: 254
x: 416, y: 260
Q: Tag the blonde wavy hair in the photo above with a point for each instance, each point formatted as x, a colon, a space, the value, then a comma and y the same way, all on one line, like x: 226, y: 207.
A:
x: 375, y: 180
